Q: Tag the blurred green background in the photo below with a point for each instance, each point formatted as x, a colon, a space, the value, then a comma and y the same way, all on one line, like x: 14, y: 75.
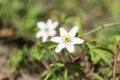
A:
x: 18, y: 18
x: 22, y: 15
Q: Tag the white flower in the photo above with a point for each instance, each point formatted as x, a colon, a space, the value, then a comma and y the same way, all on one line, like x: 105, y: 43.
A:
x: 67, y: 40
x: 46, y: 29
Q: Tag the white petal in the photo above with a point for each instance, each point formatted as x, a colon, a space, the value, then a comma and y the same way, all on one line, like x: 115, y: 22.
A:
x: 70, y: 48
x: 41, y: 25
x: 59, y: 47
x: 49, y: 22
x: 56, y: 39
x: 39, y: 34
x: 73, y: 31
x: 55, y: 24
x: 63, y: 32
x: 52, y: 33
x: 77, y: 41
x: 44, y: 38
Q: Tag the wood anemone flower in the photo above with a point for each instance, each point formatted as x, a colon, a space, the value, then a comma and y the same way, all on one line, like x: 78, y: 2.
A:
x: 46, y: 29
x: 67, y: 40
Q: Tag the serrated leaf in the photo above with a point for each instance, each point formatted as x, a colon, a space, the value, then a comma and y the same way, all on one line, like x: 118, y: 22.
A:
x: 104, y: 55
x: 89, y: 45
x: 98, y: 51
x: 95, y: 58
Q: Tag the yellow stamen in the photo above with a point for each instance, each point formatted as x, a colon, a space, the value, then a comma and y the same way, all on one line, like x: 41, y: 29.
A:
x: 66, y: 38
x: 46, y: 29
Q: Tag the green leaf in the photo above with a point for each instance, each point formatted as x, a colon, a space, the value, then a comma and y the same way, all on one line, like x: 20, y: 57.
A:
x: 97, y: 77
x: 95, y: 44
x: 117, y: 78
x: 59, y: 64
x: 50, y: 55
x: 111, y: 44
x: 98, y: 51
x: 65, y: 75
x: 75, y: 67
x: 104, y: 55
x: 54, y: 62
x: 15, y: 58
x: 37, y: 53
x: 94, y: 57
x: 78, y: 23
x: 109, y: 74
x: 49, y: 74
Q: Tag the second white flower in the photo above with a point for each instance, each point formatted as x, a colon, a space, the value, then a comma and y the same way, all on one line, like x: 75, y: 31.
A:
x: 46, y: 29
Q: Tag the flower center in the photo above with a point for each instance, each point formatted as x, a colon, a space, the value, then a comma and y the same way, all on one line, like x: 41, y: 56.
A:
x: 66, y: 38
x: 46, y: 29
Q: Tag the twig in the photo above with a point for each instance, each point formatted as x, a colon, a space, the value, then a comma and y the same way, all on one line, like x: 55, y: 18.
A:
x: 99, y: 28
x: 117, y: 51
x: 45, y: 64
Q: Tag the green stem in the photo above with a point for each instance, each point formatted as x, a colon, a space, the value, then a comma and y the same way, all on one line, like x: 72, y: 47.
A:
x: 72, y: 57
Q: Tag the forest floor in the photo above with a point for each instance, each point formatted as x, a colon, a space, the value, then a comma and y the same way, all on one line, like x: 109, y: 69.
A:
x: 6, y: 48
